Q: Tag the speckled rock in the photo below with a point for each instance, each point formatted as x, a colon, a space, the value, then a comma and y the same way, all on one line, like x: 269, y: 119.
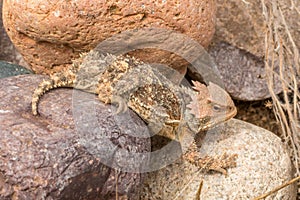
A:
x: 7, y: 50
x: 263, y: 163
x: 42, y: 157
x: 239, y: 47
x: 241, y: 23
x: 243, y: 73
x: 49, y: 34
x: 8, y: 69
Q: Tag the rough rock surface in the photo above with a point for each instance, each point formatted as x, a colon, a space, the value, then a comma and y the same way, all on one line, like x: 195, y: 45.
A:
x: 241, y: 23
x: 240, y: 26
x: 49, y: 34
x: 7, y: 50
x: 8, y: 69
x: 41, y: 158
x: 243, y: 73
x: 263, y: 163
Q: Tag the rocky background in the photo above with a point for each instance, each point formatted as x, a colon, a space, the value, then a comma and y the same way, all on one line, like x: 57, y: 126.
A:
x: 242, y: 71
x: 236, y: 45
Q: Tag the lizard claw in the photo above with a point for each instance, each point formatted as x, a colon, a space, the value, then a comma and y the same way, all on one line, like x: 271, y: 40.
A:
x: 122, y: 105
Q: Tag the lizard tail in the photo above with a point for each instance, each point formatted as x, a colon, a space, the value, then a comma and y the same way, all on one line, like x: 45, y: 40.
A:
x: 45, y: 86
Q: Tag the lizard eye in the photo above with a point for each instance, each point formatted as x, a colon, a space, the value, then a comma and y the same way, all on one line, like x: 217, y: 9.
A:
x: 216, y: 108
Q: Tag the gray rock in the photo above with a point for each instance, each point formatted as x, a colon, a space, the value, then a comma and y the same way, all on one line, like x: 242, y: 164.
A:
x: 263, y: 163
x: 243, y: 73
x: 8, y: 69
x: 46, y: 157
x: 7, y: 50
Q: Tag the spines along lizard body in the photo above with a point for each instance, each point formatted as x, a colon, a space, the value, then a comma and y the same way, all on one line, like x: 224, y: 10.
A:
x: 170, y: 110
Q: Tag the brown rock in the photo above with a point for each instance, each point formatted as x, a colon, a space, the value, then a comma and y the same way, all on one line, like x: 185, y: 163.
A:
x: 243, y: 74
x: 56, y: 155
x: 49, y: 34
x: 241, y: 23
x: 7, y: 50
x: 239, y: 44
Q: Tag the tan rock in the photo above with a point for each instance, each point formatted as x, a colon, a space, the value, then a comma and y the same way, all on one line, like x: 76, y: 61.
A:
x: 241, y: 23
x: 243, y: 74
x: 263, y: 164
x: 49, y: 34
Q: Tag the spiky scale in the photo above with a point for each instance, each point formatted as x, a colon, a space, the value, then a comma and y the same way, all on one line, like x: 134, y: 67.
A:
x: 114, y: 77
x: 45, y: 86
x: 175, y: 110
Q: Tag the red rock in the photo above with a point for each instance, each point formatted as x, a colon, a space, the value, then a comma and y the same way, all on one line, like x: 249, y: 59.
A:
x: 49, y: 34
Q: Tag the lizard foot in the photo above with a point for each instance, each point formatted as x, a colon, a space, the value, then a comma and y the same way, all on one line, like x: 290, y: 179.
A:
x: 208, y: 163
x: 122, y: 105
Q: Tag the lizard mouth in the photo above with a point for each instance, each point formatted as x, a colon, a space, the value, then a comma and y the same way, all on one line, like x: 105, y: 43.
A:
x: 231, y: 113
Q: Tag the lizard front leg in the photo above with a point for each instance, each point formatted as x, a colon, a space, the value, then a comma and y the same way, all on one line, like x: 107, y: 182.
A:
x: 115, y: 100
x: 210, y: 163
x: 191, y: 154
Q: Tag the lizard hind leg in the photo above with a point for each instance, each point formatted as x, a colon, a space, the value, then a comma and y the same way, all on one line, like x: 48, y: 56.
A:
x: 122, y: 105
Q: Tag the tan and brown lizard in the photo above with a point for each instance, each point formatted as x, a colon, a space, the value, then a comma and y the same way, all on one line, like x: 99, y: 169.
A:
x: 170, y: 110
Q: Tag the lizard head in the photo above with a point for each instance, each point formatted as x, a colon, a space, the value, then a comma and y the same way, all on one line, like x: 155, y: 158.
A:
x: 211, y: 105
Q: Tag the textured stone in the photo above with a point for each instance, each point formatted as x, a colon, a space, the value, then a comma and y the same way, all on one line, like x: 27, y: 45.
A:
x: 241, y: 23
x: 8, y: 69
x: 7, y: 50
x: 49, y: 34
x: 243, y: 73
x: 239, y: 44
x: 263, y: 163
x: 49, y: 157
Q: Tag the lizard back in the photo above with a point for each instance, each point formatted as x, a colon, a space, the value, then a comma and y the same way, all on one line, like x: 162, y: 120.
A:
x: 165, y: 106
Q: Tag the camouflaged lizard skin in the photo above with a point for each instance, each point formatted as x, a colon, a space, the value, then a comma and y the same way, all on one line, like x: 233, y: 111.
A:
x: 170, y: 110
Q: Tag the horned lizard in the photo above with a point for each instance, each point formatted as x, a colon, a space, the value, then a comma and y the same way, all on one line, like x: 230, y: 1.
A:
x: 170, y: 110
